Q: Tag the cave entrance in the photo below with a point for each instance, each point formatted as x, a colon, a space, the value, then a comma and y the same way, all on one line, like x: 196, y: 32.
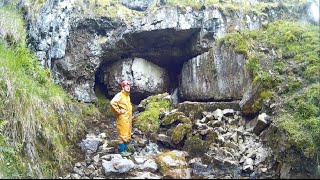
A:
x: 166, y: 48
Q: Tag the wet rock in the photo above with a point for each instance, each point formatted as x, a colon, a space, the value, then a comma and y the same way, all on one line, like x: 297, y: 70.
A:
x: 195, y: 109
x: 165, y: 140
x: 96, y: 158
x: 116, y: 165
x: 200, y: 169
x: 262, y: 123
x: 218, y: 114
x: 228, y: 112
x: 152, y: 149
x: 78, y: 171
x: 173, y: 164
x: 139, y: 159
x: 217, y: 74
x: 145, y: 175
x: 248, y: 164
x: 228, y: 146
x: 149, y: 165
x: 138, y: 5
x: 137, y: 71
x: 249, y: 98
x: 75, y: 176
x: 90, y: 144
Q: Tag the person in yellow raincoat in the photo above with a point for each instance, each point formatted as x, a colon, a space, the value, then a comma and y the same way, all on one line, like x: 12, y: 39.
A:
x: 121, y: 105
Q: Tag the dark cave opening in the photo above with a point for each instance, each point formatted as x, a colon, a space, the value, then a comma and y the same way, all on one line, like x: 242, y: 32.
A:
x: 166, y: 48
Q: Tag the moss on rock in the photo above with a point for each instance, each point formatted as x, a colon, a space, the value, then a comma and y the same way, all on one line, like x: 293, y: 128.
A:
x: 180, y: 131
x: 148, y: 120
x: 195, y: 146
x: 164, y: 166
x: 175, y: 117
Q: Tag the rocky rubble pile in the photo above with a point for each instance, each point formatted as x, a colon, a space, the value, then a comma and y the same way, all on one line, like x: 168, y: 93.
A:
x: 222, y: 144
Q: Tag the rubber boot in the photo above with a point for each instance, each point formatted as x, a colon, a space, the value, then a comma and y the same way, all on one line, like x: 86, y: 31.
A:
x: 125, y: 145
x: 121, y: 147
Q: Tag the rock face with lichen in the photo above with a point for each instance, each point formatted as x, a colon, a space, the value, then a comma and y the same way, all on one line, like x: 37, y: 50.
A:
x: 77, y: 41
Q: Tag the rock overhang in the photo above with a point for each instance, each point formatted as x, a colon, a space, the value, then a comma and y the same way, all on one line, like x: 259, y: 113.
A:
x: 167, y: 48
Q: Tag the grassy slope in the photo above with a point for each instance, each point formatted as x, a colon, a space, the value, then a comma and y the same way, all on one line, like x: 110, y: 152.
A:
x: 39, y: 123
x: 284, y: 58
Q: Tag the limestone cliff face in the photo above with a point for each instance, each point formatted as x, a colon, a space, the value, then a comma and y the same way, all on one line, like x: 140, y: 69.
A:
x: 77, y: 40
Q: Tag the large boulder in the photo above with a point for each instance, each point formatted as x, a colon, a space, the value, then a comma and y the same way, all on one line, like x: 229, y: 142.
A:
x: 146, y: 78
x: 250, y: 103
x: 219, y: 74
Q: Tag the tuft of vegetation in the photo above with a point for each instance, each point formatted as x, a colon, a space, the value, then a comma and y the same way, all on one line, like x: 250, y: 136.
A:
x: 108, y: 8
x: 258, y: 8
x: 304, y: 124
x: 284, y: 59
x: 234, y: 41
x: 39, y: 122
x: 185, y: 3
x: 11, y: 27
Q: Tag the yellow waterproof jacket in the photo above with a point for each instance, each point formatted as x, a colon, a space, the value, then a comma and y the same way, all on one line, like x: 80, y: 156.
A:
x: 124, y: 120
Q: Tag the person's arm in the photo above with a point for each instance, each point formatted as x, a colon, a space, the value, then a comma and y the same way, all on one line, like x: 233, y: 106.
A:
x: 114, y: 104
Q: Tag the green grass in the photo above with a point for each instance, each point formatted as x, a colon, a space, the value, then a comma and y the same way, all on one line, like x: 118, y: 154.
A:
x: 10, y: 162
x: 235, y: 41
x: 39, y: 122
x: 304, y: 127
x: 12, y: 26
x: 184, y: 3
